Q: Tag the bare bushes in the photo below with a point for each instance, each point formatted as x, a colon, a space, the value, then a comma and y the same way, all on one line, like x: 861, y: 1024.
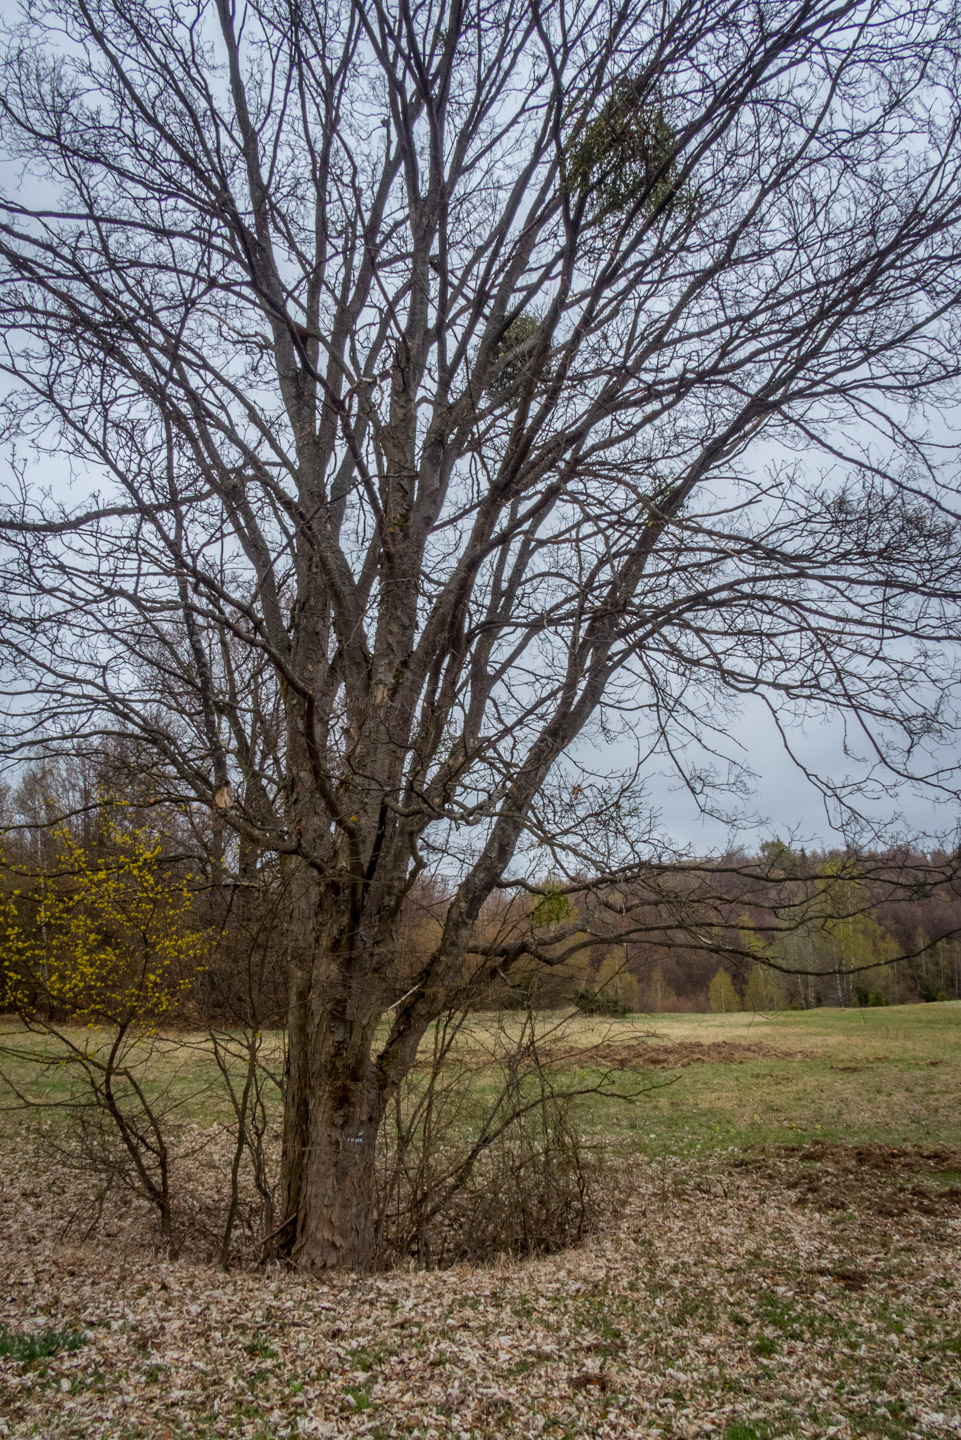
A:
x: 101, y: 955
x: 176, y: 1138
x: 251, y: 1083
x: 483, y: 1154
x: 112, y: 1120
x: 480, y: 1153
x: 173, y: 1133
x: 101, y: 952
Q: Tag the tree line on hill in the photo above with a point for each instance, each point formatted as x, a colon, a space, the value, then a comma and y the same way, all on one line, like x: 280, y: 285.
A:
x: 104, y: 887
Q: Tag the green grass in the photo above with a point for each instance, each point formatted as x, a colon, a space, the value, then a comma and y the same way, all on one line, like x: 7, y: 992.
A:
x: 358, y: 1396
x: 888, y: 1076
x: 177, y: 1070
x: 25, y: 1347
x: 885, y: 1075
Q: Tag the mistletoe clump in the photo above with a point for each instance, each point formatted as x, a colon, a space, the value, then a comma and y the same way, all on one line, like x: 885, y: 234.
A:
x: 624, y: 156
x: 512, y: 356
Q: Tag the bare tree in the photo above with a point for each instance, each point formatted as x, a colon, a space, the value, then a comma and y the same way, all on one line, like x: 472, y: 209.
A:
x: 409, y: 361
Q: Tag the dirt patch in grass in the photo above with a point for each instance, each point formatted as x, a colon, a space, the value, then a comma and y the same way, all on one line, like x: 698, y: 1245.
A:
x: 633, y: 1052
x: 864, y: 1180
x: 639, y: 1053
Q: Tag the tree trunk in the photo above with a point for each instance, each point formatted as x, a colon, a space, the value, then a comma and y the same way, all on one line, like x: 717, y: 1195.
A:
x: 333, y: 1102
x: 333, y: 1112
x: 335, y: 1226
x: 296, y: 1110
x: 300, y: 948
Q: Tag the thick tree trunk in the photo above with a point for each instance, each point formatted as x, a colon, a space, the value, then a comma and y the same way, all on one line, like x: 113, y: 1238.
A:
x: 335, y: 1228
x: 333, y: 1112
x: 333, y: 1104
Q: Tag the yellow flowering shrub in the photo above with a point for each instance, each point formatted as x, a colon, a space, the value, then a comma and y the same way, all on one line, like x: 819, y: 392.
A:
x: 99, y: 939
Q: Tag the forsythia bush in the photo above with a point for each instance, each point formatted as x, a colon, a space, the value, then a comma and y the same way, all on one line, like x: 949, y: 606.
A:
x: 103, y: 940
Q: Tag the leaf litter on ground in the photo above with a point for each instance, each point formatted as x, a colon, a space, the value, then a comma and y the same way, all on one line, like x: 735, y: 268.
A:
x: 772, y: 1291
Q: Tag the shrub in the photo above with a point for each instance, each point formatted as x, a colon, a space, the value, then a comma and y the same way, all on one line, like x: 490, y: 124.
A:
x: 109, y: 943
x: 94, y: 959
x: 483, y: 1157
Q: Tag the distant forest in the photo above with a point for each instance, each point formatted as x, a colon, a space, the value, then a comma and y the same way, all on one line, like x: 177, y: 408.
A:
x: 101, y: 873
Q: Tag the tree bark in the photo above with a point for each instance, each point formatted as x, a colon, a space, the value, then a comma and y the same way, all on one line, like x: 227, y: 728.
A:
x: 335, y: 1224
x: 334, y: 1102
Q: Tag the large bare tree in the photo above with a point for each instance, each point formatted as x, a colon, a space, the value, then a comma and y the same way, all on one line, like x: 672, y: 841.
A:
x: 410, y: 363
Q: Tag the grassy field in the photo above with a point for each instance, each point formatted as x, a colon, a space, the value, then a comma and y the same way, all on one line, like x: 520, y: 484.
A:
x: 890, y: 1075
x: 707, y: 1082
x: 784, y: 1263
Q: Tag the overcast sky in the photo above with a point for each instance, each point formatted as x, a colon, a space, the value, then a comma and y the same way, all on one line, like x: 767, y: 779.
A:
x: 784, y: 803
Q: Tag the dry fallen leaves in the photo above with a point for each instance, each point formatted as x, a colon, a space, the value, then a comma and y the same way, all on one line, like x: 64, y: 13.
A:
x: 795, y: 1293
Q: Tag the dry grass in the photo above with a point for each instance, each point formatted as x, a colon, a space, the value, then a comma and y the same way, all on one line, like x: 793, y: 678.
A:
x: 875, y: 1074
x: 888, y: 1076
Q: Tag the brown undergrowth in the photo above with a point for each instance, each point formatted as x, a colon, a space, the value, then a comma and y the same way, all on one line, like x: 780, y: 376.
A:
x: 870, y: 1180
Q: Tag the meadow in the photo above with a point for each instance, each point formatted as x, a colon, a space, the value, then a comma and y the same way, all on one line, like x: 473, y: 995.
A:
x: 783, y: 1261
x: 887, y: 1074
